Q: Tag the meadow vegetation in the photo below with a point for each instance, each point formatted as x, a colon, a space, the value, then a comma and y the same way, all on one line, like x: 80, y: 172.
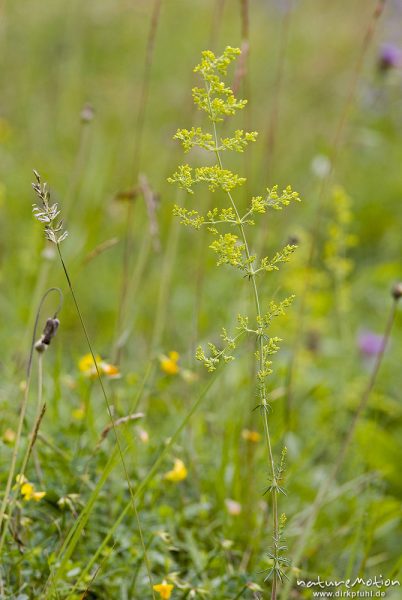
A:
x: 200, y: 374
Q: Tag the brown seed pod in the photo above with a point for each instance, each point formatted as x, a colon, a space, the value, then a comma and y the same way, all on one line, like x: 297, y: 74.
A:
x: 397, y: 290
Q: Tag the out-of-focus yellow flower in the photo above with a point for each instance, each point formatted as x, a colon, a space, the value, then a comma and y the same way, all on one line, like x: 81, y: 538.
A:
x: 27, y: 489
x: 9, y: 436
x: 110, y: 370
x: 86, y: 363
x: 233, y: 507
x: 251, y: 436
x: 164, y: 589
x: 87, y: 366
x: 178, y: 473
x: 28, y: 492
x: 78, y: 413
x: 169, y: 364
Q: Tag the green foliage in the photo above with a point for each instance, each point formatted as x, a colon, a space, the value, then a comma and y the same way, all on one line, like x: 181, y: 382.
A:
x: 193, y: 541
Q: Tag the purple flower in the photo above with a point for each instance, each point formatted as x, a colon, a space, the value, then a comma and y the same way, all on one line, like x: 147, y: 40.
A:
x: 390, y: 56
x: 369, y: 343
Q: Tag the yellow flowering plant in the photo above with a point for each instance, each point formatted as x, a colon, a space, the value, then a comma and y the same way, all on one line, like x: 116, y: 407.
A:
x: 228, y: 225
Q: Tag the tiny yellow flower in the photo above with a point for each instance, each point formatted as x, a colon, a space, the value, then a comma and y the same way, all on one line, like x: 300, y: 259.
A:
x: 78, y: 413
x: 178, y: 473
x: 164, y: 590
x: 38, y: 496
x: 251, y: 436
x: 9, y: 436
x: 28, y: 490
x: 169, y: 363
x: 87, y: 366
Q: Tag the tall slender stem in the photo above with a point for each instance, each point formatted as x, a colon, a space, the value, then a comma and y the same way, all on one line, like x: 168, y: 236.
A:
x: 109, y: 410
x: 261, y: 387
x: 138, y: 143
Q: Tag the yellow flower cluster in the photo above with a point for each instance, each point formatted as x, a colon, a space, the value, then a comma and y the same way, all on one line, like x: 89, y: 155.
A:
x: 178, y: 473
x: 27, y: 489
x: 164, y: 589
x: 251, y: 436
x: 87, y: 366
x: 169, y: 364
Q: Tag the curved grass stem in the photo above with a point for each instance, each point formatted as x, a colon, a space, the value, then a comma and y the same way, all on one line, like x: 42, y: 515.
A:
x: 23, y: 409
x: 109, y: 411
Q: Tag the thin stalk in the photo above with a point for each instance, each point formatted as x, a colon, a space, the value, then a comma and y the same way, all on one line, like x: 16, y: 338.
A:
x: 32, y: 438
x: 78, y: 168
x: 242, y: 77
x: 73, y: 536
x: 261, y: 387
x: 326, y: 486
x: 109, y: 410
x: 125, y: 276
x: 216, y: 22
x: 277, y: 89
x: 139, y: 134
x: 23, y: 409
x: 137, y: 570
x: 124, y: 330
x: 41, y: 280
x: 40, y: 411
x: 167, y: 271
x: 240, y: 594
x: 335, y: 146
x: 149, y: 54
x: 74, y: 179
